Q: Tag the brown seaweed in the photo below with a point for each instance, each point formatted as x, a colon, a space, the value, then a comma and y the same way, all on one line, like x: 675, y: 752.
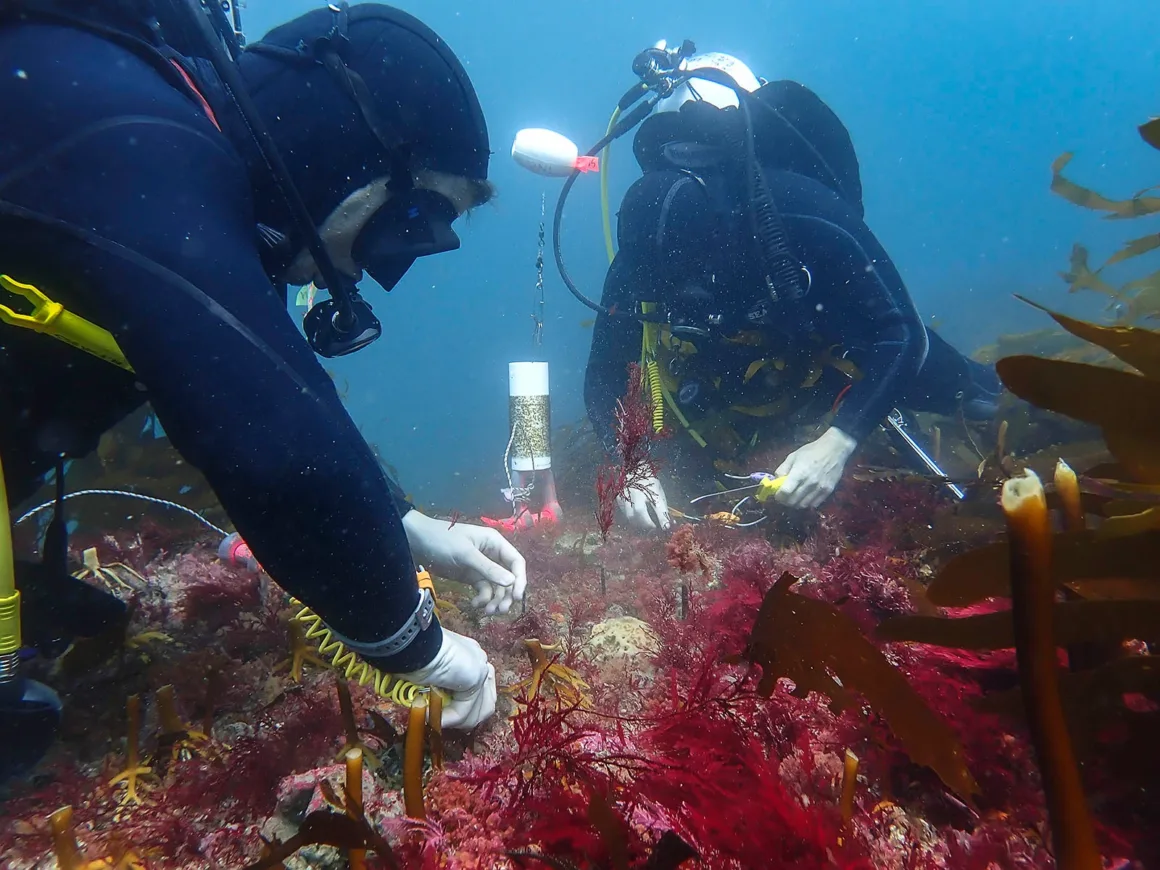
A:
x: 1080, y: 556
x: 819, y: 649
x: 1107, y: 621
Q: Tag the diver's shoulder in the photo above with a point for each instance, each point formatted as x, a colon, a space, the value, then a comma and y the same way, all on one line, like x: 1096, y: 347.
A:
x: 70, y: 66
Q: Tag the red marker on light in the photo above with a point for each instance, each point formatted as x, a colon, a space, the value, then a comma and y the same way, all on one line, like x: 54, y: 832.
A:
x: 546, y: 152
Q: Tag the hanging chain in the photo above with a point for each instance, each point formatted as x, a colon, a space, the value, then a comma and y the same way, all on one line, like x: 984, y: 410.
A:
x: 538, y: 301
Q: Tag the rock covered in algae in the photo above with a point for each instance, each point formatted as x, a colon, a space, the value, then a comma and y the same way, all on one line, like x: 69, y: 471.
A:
x: 586, y: 543
x: 622, y: 637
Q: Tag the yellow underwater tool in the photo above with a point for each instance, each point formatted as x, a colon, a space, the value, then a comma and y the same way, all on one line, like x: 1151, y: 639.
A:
x: 9, y: 594
x: 30, y: 712
x: 53, y: 319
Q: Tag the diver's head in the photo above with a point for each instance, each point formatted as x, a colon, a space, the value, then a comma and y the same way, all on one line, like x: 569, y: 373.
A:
x: 713, y: 93
x: 381, y: 131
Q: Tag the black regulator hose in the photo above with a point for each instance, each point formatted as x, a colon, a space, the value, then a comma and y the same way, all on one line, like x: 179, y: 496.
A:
x: 623, y: 126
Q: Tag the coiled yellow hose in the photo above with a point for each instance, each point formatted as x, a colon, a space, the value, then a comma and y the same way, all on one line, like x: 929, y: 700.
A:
x: 387, y: 686
x: 656, y: 391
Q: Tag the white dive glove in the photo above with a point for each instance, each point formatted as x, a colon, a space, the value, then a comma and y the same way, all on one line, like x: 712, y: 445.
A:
x: 646, y: 508
x: 461, y: 668
x: 469, y: 554
x: 813, y: 471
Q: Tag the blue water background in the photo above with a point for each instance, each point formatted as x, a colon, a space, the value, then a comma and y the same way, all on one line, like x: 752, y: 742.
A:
x: 956, y: 109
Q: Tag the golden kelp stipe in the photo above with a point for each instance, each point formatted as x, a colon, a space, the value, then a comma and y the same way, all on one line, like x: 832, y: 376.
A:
x: 1107, y: 565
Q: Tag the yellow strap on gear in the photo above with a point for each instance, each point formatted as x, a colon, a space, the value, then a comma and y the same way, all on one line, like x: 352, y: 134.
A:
x: 52, y: 319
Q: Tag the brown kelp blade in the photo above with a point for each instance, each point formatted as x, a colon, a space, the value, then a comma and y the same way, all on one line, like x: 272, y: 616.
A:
x: 986, y: 572
x: 806, y: 640
x: 1105, y: 397
x: 1134, y: 248
x: 1143, y: 297
x: 1081, y: 276
x: 1139, y: 348
x: 1105, y: 622
x: 1125, y: 405
x: 1138, y: 206
x: 1150, y: 132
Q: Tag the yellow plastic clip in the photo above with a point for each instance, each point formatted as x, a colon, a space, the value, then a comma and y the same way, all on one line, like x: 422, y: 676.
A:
x: 52, y: 319
x: 425, y: 582
x: 767, y: 488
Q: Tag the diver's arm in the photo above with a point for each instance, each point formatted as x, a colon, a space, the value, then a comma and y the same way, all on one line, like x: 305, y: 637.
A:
x: 868, y: 312
x: 616, y: 343
x: 236, y: 387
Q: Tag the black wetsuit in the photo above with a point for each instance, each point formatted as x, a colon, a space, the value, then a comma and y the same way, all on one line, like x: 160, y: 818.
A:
x: 681, y: 245
x: 122, y: 200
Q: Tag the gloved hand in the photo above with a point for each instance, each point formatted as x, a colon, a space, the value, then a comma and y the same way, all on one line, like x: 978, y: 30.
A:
x: 461, y: 667
x: 813, y: 471
x: 469, y: 554
x: 645, y: 509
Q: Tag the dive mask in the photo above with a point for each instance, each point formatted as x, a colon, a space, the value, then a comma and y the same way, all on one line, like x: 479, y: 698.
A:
x: 414, y: 223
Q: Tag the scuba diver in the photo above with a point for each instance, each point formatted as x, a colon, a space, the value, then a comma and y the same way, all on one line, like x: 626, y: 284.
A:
x: 773, y: 303
x: 164, y: 185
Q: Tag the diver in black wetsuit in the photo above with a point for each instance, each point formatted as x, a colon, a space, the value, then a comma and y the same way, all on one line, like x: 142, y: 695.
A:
x: 737, y: 354
x: 134, y: 190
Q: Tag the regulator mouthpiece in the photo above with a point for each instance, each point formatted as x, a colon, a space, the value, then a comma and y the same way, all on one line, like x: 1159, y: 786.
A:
x: 546, y: 152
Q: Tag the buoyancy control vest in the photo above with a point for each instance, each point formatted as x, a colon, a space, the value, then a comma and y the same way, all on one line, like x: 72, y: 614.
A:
x: 752, y: 355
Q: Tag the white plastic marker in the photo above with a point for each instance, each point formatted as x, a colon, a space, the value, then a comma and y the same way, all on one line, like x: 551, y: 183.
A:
x: 546, y: 152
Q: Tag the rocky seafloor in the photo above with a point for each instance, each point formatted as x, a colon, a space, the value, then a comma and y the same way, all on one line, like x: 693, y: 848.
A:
x: 649, y: 724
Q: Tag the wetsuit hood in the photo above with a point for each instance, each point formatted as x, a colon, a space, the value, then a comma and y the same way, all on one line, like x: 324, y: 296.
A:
x: 421, y: 97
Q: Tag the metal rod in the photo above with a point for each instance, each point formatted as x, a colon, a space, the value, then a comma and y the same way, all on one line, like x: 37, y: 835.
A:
x: 896, y: 422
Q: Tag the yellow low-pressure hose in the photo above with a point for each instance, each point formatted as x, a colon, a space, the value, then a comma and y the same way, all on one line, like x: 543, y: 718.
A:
x: 652, y: 372
x: 605, y: 211
x: 9, y: 595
